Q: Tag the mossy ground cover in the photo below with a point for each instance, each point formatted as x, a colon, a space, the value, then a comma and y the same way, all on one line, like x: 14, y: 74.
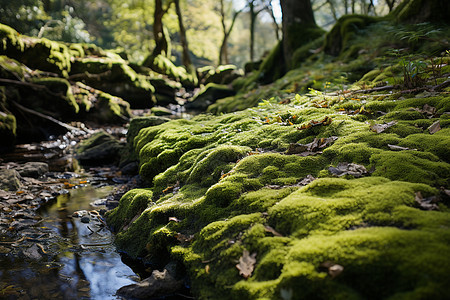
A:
x: 229, y: 188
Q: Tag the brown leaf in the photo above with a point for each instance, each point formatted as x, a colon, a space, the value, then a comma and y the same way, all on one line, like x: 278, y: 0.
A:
x: 379, y: 128
x: 428, y: 110
x: 399, y: 148
x: 435, y: 127
x: 311, y: 148
x: 271, y: 230
x: 348, y: 169
x: 428, y: 203
x: 174, y: 219
x: 246, y: 264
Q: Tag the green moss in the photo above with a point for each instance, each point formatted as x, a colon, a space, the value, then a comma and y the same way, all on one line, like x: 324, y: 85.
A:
x: 11, y: 43
x: 12, y: 69
x: 132, y: 204
x: 65, y: 104
x: 338, y: 39
x: 411, y: 166
x: 7, y: 130
x: 230, y: 184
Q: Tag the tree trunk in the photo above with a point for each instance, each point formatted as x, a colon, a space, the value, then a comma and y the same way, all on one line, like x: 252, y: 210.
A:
x: 252, y: 30
x: 162, y: 44
x: 333, y: 10
x: 298, y: 18
x: 223, y: 53
x: 184, y: 43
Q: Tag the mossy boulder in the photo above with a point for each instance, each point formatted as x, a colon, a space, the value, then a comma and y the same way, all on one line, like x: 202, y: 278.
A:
x: 56, y: 96
x: 165, y: 90
x: 163, y: 65
x: 41, y: 54
x: 324, y: 188
x: 10, y: 180
x: 100, y: 148
x: 346, y: 28
x: 208, y: 95
x: 114, y: 76
x: 419, y: 11
x: 7, y: 131
x: 223, y: 74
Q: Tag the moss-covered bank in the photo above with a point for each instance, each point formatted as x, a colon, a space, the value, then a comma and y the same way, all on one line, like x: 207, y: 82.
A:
x: 223, y: 185
x: 330, y: 183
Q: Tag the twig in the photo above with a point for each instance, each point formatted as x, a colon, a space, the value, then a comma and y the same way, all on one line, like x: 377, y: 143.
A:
x: 89, y: 75
x: 67, y: 126
x: 31, y: 85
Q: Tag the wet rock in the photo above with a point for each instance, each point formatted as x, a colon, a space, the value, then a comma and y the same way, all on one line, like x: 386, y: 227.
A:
x: 33, y: 252
x: 100, y: 148
x: 33, y: 169
x: 224, y: 74
x: 9, y: 180
x: 209, y: 95
x: 131, y: 168
x: 159, y: 284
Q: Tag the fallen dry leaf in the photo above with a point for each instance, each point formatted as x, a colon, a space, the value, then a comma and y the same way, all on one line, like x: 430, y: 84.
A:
x: 435, y: 127
x: 348, y: 169
x: 311, y: 148
x: 246, y: 264
x: 428, y: 203
x: 379, y: 128
x: 271, y: 230
x: 325, y: 121
x: 399, y: 148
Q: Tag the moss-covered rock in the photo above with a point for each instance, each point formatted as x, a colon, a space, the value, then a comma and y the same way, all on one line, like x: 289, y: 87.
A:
x: 100, y: 148
x: 343, y: 31
x: 7, y: 131
x: 114, y: 76
x: 327, y: 187
x: 224, y: 74
x: 163, y: 65
x: 208, y: 95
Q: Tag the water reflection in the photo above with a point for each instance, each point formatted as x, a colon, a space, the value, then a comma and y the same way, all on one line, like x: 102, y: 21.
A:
x: 80, y: 261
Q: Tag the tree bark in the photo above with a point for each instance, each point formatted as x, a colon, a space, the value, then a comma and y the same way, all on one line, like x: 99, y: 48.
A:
x: 297, y: 16
x: 186, y: 59
x: 254, y: 12
x: 162, y: 44
x: 223, y: 53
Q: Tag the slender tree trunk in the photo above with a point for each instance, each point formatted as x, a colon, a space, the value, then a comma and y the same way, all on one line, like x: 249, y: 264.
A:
x: 223, y: 53
x: 275, y: 23
x: 186, y: 59
x: 333, y: 10
x: 162, y: 44
x: 346, y: 7
x: 353, y: 6
x: 252, y: 30
x: 390, y: 4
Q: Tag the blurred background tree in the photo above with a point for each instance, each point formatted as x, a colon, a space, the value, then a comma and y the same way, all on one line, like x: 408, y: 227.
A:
x: 226, y: 31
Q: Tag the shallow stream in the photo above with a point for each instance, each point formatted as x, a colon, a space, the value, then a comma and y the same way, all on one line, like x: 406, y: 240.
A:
x: 79, y: 260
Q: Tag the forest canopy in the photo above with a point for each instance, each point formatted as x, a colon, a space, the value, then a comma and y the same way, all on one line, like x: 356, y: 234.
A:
x: 127, y: 26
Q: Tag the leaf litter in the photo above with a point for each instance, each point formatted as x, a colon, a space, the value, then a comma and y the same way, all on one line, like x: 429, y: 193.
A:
x: 246, y: 264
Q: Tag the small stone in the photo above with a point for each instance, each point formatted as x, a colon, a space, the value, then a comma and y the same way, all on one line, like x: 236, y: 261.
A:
x: 85, y: 219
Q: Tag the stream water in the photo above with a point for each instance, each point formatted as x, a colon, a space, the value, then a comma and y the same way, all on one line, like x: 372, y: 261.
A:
x: 82, y: 262
x: 53, y: 242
